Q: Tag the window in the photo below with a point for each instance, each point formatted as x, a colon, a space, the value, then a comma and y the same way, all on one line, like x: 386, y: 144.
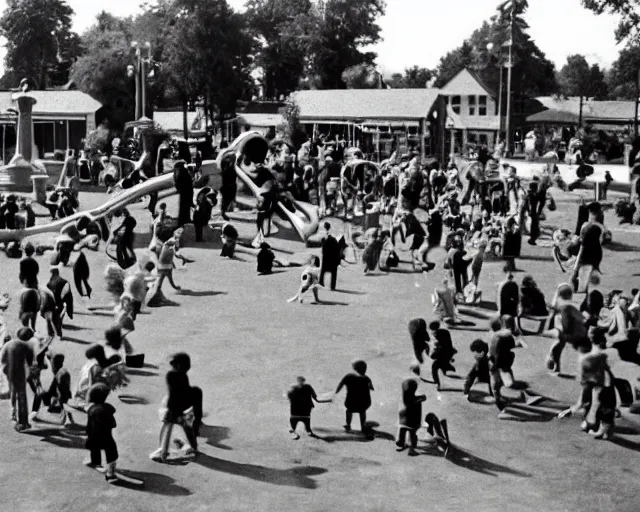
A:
x: 472, y: 105
x: 471, y: 138
x: 482, y: 105
x: 484, y: 141
x: 455, y: 103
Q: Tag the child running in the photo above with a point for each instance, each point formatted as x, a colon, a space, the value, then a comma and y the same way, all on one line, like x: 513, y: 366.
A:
x: 301, y: 397
x: 480, y: 370
x: 442, y: 353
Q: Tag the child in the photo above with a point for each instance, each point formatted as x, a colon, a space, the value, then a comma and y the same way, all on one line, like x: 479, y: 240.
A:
x: 480, y: 370
x: 165, y: 270
x: 444, y: 302
x: 229, y: 239
x: 310, y: 280
x: 419, y: 338
x: 100, y: 422
x: 442, y: 353
x: 301, y: 397
x: 358, y: 399
x: 511, y: 243
x: 501, y: 358
x: 183, y: 407
x: 409, y: 416
x: 265, y: 259
x: 58, y: 394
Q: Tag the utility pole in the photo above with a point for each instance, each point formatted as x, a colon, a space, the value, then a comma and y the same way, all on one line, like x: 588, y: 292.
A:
x: 635, y: 119
x: 509, y: 73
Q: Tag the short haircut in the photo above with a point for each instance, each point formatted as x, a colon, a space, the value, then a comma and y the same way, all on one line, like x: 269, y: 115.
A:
x: 29, y: 249
x: 434, y: 325
x: 479, y: 346
x: 495, y: 323
x: 326, y: 225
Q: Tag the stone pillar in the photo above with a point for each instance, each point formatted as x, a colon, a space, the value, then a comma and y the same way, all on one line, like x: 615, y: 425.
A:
x: 24, y: 142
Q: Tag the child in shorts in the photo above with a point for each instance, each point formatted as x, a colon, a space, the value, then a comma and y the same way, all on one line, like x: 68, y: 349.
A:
x: 301, y: 397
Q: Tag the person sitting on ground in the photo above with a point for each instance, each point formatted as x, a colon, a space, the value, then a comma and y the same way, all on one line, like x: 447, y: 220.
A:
x: 229, y: 240
x: 628, y: 348
x: 532, y: 301
x: 265, y: 259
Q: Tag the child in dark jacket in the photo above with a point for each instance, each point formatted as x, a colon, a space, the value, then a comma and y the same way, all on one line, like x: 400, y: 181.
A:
x: 358, y: 399
x: 183, y: 406
x: 480, y: 370
x: 409, y: 416
x: 100, y: 423
x: 442, y: 353
x: 419, y: 338
x: 58, y: 394
x: 301, y: 398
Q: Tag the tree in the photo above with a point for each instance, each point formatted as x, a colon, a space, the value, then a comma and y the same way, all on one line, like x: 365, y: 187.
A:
x: 208, y: 54
x: 102, y: 70
x: 629, y: 12
x: 283, y: 30
x: 40, y: 43
x: 362, y: 76
x: 623, y: 75
x: 291, y: 129
x: 487, y: 49
x: 344, y: 29
x: 577, y: 78
x: 414, y: 77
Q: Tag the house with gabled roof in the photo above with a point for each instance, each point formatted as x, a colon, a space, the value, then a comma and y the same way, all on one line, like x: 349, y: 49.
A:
x: 472, y: 106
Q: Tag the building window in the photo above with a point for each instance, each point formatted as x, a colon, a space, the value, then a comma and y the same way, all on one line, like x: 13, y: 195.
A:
x: 484, y: 141
x: 471, y: 138
x: 472, y: 105
x: 455, y: 103
x: 482, y: 105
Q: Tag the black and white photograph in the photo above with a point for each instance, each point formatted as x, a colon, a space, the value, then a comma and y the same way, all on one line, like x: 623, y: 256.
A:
x: 319, y: 255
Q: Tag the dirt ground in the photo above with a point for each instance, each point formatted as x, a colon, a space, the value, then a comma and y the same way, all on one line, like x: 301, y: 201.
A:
x: 248, y: 345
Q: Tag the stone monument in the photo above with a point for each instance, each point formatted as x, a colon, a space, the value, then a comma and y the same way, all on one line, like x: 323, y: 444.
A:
x: 16, y: 176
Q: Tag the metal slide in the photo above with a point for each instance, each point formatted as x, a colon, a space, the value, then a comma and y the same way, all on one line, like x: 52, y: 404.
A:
x: 157, y: 184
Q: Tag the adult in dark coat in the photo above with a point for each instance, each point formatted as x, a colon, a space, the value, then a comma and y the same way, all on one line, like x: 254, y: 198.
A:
x: 29, y: 268
x: 184, y: 185
x: 205, y: 202
x: 331, y: 257
x: 63, y: 298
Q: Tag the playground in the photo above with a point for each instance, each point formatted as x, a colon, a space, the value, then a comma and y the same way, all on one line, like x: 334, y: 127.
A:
x: 248, y: 345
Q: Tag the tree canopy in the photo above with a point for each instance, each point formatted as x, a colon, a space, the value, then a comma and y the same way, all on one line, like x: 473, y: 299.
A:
x: 623, y: 75
x: 629, y: 12
x: 577, y: 78
x: 414, y: 77
x: 40, y: 43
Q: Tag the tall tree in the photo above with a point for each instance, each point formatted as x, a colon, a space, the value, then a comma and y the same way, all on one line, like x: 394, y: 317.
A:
x: 487, y: 49
x: 414, y: 77
x: 209, y: 53
x: 283, y: 30
x: 344, y: 30
x: 623, y: 75
x: 629, y: 12
x: 577, y: 78
x: 102, y: 70
x: 40, y: 43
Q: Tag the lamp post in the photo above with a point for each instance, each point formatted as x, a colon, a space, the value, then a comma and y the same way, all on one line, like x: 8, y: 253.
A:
x: 139, y: 73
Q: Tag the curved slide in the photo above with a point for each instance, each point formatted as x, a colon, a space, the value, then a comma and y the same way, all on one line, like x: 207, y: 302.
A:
x: 157, y: 184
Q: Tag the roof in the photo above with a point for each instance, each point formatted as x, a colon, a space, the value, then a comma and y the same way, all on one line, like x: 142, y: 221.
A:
x: 71, y: 103
x: 592, y: 110
x: 462, y: 84
x: 380, y: 104
x: 173, y: 121
x: 261, y: 120
x: 554, y: 116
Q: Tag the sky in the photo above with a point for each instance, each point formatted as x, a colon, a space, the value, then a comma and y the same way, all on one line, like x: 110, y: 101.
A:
x: 419, y: 32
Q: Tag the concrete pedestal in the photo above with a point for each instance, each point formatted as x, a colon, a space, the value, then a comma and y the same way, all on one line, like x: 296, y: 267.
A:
x: 40, y: 188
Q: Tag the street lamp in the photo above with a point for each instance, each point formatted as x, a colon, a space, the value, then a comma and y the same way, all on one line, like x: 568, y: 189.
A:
x: 139, y: 72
